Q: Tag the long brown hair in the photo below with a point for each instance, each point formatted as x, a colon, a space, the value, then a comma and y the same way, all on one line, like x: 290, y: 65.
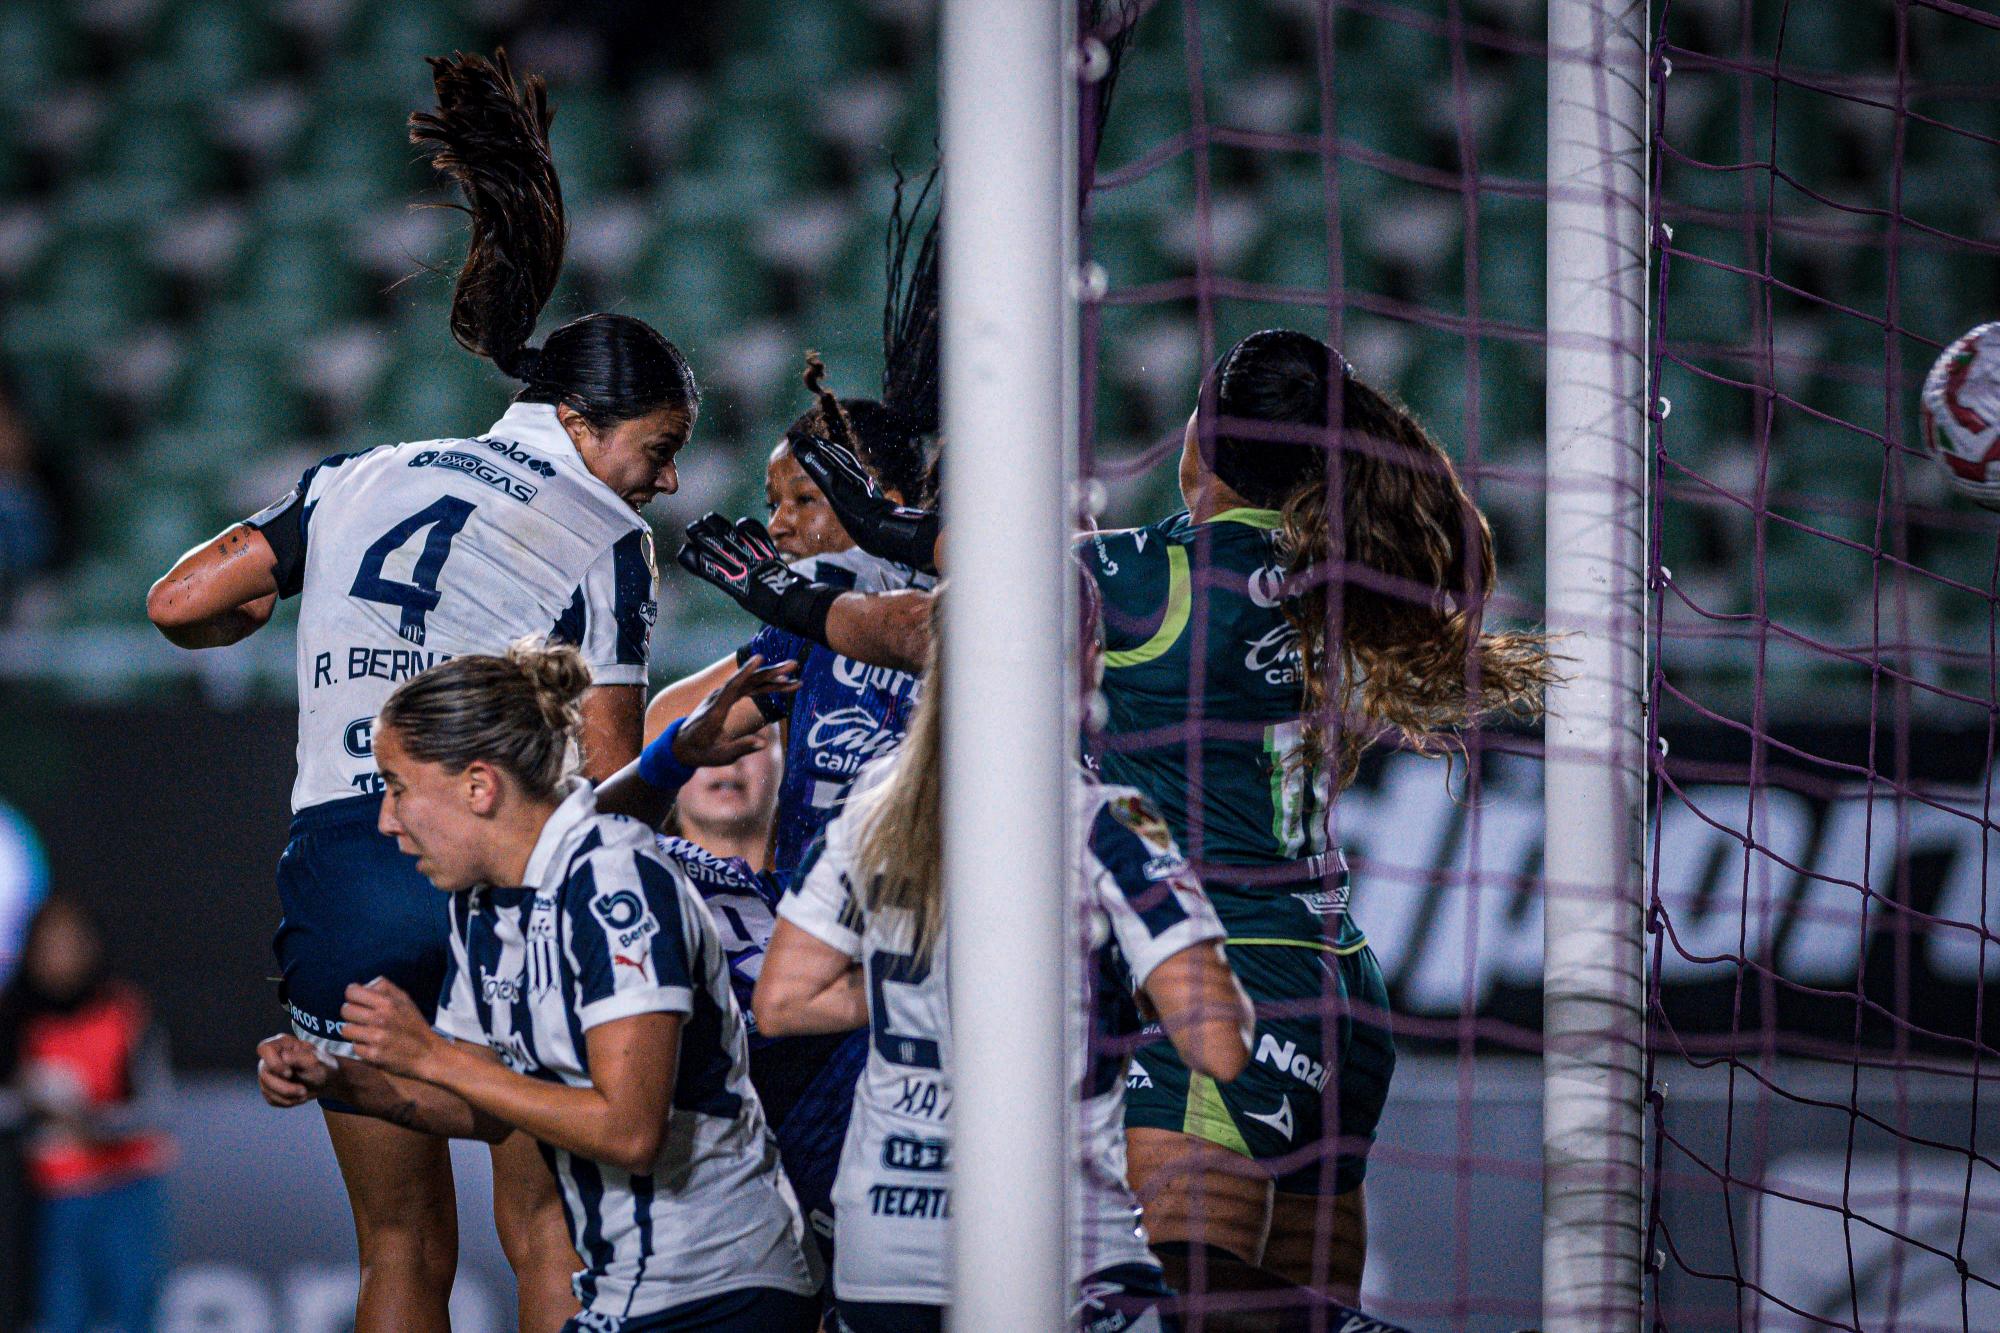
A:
x: 1389, y: 589
x: 899, y: 864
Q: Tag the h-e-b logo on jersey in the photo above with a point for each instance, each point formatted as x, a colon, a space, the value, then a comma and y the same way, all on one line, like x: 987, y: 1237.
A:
x: 625, y: 915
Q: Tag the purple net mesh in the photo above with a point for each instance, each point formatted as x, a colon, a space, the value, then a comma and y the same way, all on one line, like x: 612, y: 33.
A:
x: 1822, y: 629
x: 1823, y: 681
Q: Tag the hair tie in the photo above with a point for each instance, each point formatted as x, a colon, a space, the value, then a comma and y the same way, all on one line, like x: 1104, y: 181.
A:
x: 523, y: 363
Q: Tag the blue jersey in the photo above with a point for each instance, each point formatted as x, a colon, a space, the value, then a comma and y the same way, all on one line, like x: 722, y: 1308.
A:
x: 844, y: 712
x: 805, y: 1083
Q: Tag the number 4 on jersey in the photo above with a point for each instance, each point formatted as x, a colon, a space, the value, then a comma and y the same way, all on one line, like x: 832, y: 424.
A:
x: 417, y: 598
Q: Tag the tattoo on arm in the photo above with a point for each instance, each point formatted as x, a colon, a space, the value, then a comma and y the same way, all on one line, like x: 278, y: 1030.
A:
x: 405, y: 1113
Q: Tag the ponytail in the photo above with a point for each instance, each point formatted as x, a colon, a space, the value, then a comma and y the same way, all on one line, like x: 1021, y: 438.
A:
x: 899, y: 860
x: 489, y: 136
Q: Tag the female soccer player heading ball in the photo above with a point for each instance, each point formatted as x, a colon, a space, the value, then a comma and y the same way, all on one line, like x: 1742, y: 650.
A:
x: 405, y: 556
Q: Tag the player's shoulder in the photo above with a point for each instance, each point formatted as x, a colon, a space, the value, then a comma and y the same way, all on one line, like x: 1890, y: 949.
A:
x: 1118, y: 551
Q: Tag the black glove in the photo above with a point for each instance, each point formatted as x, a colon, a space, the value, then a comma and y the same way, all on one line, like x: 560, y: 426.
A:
x: 878, y: 524
x: 741, y: 560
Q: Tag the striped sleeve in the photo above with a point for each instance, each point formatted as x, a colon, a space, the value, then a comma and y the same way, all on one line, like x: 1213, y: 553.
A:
x: 610, y: 616
x: 457, y: 1012
x: 821, y: 900
x: 626, y: 939
x: 1144, y: 885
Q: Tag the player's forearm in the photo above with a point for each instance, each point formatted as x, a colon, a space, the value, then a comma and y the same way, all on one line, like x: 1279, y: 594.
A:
x: 891, y: 629
x: 579, y: 1120
x: 1204, y: 1010
x: 412, y: 1103
x: 794, y: 1007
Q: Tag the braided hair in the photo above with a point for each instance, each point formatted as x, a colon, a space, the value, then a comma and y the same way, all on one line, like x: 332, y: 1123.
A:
x: 889, y: 434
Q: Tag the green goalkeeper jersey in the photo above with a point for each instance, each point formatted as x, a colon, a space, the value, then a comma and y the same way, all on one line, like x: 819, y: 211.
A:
x: 1202, y: 683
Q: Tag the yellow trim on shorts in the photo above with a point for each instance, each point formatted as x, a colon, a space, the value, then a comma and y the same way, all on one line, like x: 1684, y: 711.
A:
x: 1207, y: 1118
x: 1339, y: 950
x: 1180, y: 600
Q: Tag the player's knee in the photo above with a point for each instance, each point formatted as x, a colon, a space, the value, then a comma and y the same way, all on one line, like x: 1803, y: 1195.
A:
x: 532, y: 1231
x: 421, y: 1255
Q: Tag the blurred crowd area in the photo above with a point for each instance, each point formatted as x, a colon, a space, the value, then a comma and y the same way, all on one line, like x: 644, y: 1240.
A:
x: 212, y: 272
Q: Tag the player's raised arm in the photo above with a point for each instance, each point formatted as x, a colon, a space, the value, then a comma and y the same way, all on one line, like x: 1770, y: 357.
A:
x: 889, y: 629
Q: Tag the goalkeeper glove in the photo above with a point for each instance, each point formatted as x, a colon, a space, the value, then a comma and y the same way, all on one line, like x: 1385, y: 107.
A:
x: 741, y: 560
x: 878, y: 524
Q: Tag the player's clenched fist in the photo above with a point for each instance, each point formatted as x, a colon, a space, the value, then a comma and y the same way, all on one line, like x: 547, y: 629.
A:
x: 387, y: 1029
x: 291, y: 1072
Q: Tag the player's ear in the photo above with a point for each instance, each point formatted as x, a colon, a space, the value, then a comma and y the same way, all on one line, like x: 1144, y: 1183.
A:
x: 574, y: 425
x: 481, y: 785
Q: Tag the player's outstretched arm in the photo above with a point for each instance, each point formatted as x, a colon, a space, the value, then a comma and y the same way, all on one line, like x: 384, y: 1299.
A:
x: 291, y: 1072
x: 619, y: 1119
x: 891, y: 629
x: 878, y: 524
x: 807, y: 986
x: 1204, y: 1010
x: 218, y: 593
x: 709, y: 737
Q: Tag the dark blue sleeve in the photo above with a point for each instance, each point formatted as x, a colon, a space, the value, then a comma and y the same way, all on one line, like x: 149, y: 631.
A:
x: 634, y: 607
x: 775, y: 645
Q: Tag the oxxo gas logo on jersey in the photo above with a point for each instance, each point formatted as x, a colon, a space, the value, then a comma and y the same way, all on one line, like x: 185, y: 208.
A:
x: 1275, y: 655
x: 1287, y: 1056
x: 625, y: 915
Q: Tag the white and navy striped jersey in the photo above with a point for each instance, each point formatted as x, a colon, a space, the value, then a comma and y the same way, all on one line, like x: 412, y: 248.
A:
x: 892, y: 1198
x: 411, y: 554
x: 608, y: 926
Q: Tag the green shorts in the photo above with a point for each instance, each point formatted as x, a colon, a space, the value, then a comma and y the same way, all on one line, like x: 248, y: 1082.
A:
x: 1291, y: 1106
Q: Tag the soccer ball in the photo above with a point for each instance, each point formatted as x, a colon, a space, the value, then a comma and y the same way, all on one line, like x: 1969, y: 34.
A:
x: 1961, y: 414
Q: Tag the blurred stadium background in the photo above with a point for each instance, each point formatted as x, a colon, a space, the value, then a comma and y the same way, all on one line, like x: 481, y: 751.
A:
x: 212, y: 274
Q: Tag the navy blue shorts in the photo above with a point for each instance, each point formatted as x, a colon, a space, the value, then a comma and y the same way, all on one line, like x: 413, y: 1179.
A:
x: 752, y: 1310
x: 887, y: 1317
x: 355, y: 909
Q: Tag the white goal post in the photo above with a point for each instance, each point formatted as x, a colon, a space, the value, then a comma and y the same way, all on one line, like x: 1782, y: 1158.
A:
x: 1593, y: 1009
x: 1010, y: 382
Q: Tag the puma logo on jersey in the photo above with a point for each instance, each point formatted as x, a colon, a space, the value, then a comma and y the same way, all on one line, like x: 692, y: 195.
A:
x: 1287, y: 1057
x: 1280, y: 1120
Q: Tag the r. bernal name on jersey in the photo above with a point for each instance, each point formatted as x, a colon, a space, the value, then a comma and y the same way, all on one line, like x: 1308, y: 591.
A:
x: 363, y: 663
